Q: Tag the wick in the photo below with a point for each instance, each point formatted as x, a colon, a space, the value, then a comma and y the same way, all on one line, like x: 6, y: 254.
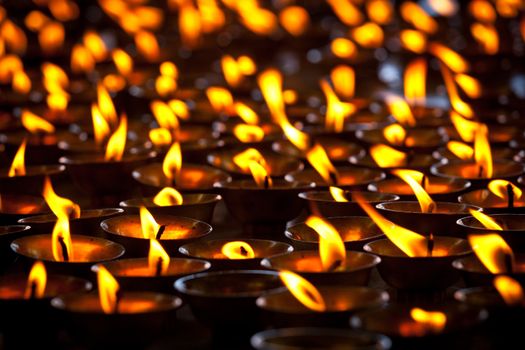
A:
x: 430, y: 244
x: 118, y: 297
x: 510, y: 196
x: 424, y: 182
x: 480, y: 171
x: 65, y: 253
x: 334, y: 266
x: 243, y: 251
x: 333, y: 177
x: 158, y: 270
x: 32, y: 294
x: 509, y: 263
x: 161, y: 230
x: 266, y: 182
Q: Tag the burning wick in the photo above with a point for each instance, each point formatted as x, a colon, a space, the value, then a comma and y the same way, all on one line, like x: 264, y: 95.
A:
x: 480, y: 171
x: 158, y: 269
x: 335, y: 265
x: 430, y: 245
x: 266, y: 182
x: 118, y: 297
x: 32, y: 293
x: 243, y: 251
x: 63, y: 246
x: 161, y: 230
x: 424, y: 182
x: 333, y: 177
x: 510, y: 196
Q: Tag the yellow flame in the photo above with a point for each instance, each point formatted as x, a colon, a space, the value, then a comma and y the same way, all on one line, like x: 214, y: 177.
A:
x: 320, y: 161
x: 465, y: 128
x: 62, y: 207
x: 117, y: 141
x: 243, y: 159
x: 343, y: 80
x: 510, y: 290
x: 294, y: 19
x: 485, y: 220
x: 395, y: 134
x: 482, y: 11
x: 165, y: 85
x: 105, y: 105
x: 338, y: 194
x: 369, y: 35
x: 431, y: 320
x: 336, y: 111
x: 220, y: 99
x: 36, y: 282
x: 380, y: 11
x: 248, y: 133
x: 164, y: 115
x: 180, y: 108
x: 148, y: 225
x: 158, y: 259
x: 414, y: 178
x: 14, y: 37
x: 238, y: 250
x: 61, y: 245
x: 147, y: 45
x: 449, y: 57
x: 271, y: 84
x: 411, y: 243
x: 260, y: 174
x: 21, y: 82
x: 343, y: 48
x: 415, y: 81
x: 35, y: 124
x: 499, y: 188
x: 64, y: 10
x: 94, y: 43
x: 51, y: 37
x: 122, y: 61
x: 460, y: 150
x: 100, y: 125
x: 415, y: 15
x: 168, y: 196
x: 247, y: 114
x: 400, y: 110
x: 257, y: 19
x: 18, y: 167
x: 231, y: 71
x: 161, y: 137
x: 387, y: 157
x: 172, y: 163
x: 346, y: 11
x: 482, y: 152
x: 57, y: 101
x: 9, y: 65
x: 190, y: 24
x: 470, y: 85
x: 458, y: 105
x: 81, y: 59
x: 331, y: 246
x: 169, y: 69
x: 303, y: 291
x: 108, y: 289
x: 413, y: 40
x: 492, y: 251
x: 487, y: 36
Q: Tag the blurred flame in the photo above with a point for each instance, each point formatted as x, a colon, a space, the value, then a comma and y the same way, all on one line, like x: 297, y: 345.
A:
x: 257, y: 19
x: 82, y: 60
x: 220, y: 99
x: 235, y: 70
x: 387, y: 157
x: 105, y: 105
x: 35, y: 20
x: 434, y: 321
x: 108, y: 289
x: 243, y: 159
x: 417, y: 16
x: 346, y: 11
x: 190, y: 24
x: 164, y: 115
x: 411, y: 243
x: 449, y: 57
x: 260, y: 174
x: 165, y: 85
x: 271, y: 84
x: 18, y: 167
x: 238, y: 250
x: 248, y: 133
x: 485, y: 220
x: 321, y: 163
x: 303, y: 291
x: 482, y: 152
x: 161, y: 137
x: 331, y: 246
x: 445, y: 8
x: 415, y: 81
x: 180, y: 108
x: 148, y: 225
x: 510, y: 290
x: 100, y: 125
x: 36, y: 282
x: 336, y: 111
x: 482, y: 11
x: 368, y: 35
x: 465, y: 128
x: 400, y: 110
x: 57, y: 101
x: 14, y: 37
x: 94, y: 43
x: 500, y: 189
x: 298, y: 138
x: 122, y: 61
x: 395, y: 134
x: 343, y: 48
x: 460, y: 150
x: 168, y: 196
x: 470, y: 85
x: 147, y: 45
x: 343, y: 80
x: 247, y: 114
x: 51, y: 37
x: 117, y: 141
x: 63, y: 208
x: 169, y: 69
x: 413, y: 40
x: 158, y: 259
x: 380, y: 11
x: 414, y: 178
x: 295, y: 19
x: 21, y: 82
x: 487, y: 36
x: 493, y: 252
x: 338, y: 194
x: 35, y: 124
x: 172, y: 163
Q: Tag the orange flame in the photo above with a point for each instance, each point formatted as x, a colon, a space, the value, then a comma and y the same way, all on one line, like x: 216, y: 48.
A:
x: 190, y: 24
x: 257, y: 19
x: 172, y: 163
x: 346, y: 11
x: 414, y: 178
x: 395, y: 134
x: 500, y: 189
x: 35, y: 124
x: 336, y: 111
x: 220, y: 99
x: 161, y: 137
x: 165, y: 85
x: 148, y: 225
x: 147, y: 45
x: 35, y: 21
x: 57, y: 101
x: 248, y: 133
x: 14, y: 37
x: 298, y: 138
x: 410, y: 243
x: 180, y: 108
x: 493, y: 252
x: 433, y: 321
x: 108, y: 289
x: 415, y: 15
x: 158, y: 259
x: 510, y: 290
x: 94, y: 43
x: 100, y: 125
x: 331, y: 246
x: 247, y: 114
x: 232, y: 71
x: 51, y: 37
x: 343, y: 79
x: 117, y: 141
x: 369, y: 35
x: 321, y: 163
x: 169, y: 69
x: 271, y: 84
x: 343, y: 48
x: 122, y: 61
x: 482, y: 11
x: 36, y: 282
x: 81, y: 59
x: 338, y: 194
x: 243, y: 159
x: 482, y: 152
x: 60, y: 206
x: 61, y: 246
x: 470, y: 85
x: 485, y: 220
x: 465, y: 128
x: 294, y: 19
x: 260, y: 174
x: 18, y: 167
x: 400, y: 110
x: 380, y: 11
x: 387, y: 157
x: 415, y: 81
x: 168, y: 196
x: 164, y: 115
x: 238, y: 250
x: 457, y: 103
x: 413, y: 40
x: 21, y: 82
x: 105, y: 105
x: 449, y: 57
x: 487, y: 36
x: 303, y: 291
x: 460, y: 150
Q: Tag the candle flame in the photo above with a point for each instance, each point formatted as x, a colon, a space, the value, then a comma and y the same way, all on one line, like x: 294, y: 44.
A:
x: 414, y: 178
x: 161, y: 137
x: 35, y: 124
x: 108, y: 289
x: 18, y: 167
x: 470, y: 85
x: 338, y: 194
x: 247, y: 133
x: 485, y: 220
x: 346, y: 11
x: 165, y: 85
x: 465, y: 128
x: 180, y: 108
x: 243, y: 159
x: 122, y: 61
x: 168, y: 196
x: 61, y: 245
x: 260, y: 174
x: 21, y: 82
x: 148, y: 225
x: 270, y: 82
x: 299, y: 139
x: 82, y: 60
x: 190, y: 24
x: 235, y: 70
x: 400, y: 109
x: 450, y: 58
x: 147, y: 45
x: 510, y: 290
x: 331, y: 246
x: 500, y: 188
x: 105, y: 105
x: 493, y: 252
x: 413, y: 40
x: 482, y: 11
x: 101, y: 128
x: 238, y: 250
x: 387, y: 157
x: 164, y: 115
x: 294, y: 19
x: 487, y: 36
x: 303, y: 291
x: 369, y: 35
x: 63, y: 208
x: 343, y: 48
x: 94, y: 43
x: 418, y: 17
x: 380, y: 11
x: 343, y: 79
x: 336, y: 111
x: 117, y: 141
x: 158, y: 259
x: 320, y: 161
x: 247, y: 114
x: 460, y: 150
x: 220, y: 99
x: 433, y: 321
x: 415, y: 81
x: 51, y: 37
x: 458, y: 105
x: 172, y: 163
x: 36, y: 282
x: 482, y: 151
x: 395, y: 134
